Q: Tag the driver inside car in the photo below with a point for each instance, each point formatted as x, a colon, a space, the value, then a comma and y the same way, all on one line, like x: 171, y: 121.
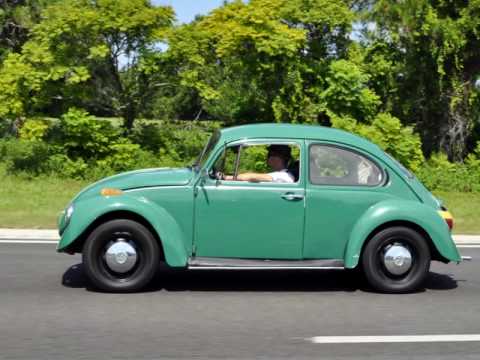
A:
x: 278, y: 158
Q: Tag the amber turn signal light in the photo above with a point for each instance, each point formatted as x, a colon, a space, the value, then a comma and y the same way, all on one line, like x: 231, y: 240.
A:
x: 111, y: 192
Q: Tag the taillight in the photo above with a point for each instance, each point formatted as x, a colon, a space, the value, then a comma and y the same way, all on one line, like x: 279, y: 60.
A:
x: 445, y: 214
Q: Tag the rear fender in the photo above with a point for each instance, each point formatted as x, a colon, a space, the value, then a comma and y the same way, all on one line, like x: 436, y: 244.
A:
x: 400, y: 210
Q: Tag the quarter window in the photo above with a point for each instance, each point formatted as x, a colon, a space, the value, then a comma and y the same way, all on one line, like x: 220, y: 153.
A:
x: 331, y: 165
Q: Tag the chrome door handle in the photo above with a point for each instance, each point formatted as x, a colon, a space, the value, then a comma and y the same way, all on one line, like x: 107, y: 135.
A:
x: 292, y: 197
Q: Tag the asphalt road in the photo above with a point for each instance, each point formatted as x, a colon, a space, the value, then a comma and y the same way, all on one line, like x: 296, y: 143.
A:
x: 48, y: 311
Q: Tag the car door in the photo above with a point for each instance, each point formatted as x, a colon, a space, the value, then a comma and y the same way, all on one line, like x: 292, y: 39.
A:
x: 238, y: 219
x: 342, y: 184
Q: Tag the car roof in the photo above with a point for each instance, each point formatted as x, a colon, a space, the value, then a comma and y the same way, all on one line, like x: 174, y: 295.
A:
x: 296, y: 131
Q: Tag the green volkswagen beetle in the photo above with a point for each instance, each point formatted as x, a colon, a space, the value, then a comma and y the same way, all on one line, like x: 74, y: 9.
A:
x: 267, y: 196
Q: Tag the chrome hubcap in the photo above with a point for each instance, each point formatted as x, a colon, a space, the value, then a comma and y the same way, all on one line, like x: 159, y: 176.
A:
x: 397, y: 259
x: 121, y: 257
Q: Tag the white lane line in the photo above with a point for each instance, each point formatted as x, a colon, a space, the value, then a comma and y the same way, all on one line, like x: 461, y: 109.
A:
x: 393, y: 339
x: 468, y: 246
x: 28, y: 242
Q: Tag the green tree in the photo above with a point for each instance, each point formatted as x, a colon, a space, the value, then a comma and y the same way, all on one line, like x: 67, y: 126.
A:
x: 263, y: 60
x: 86, y: 53
x: 17, y: 17
x: 433, y: 49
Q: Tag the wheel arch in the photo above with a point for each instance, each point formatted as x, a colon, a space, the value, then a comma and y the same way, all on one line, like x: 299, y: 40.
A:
x: 93, y: 212
x: 416, y: 216
x: 77, y: 245
x: 411, y: 225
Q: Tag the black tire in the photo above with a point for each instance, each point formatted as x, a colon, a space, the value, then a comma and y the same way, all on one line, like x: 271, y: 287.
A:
x: 377, y: 274
x: 138, y: 236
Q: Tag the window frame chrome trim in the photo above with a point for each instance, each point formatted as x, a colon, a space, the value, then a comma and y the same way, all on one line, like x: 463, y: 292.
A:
x: 258, y: 142
x: 384, y: 180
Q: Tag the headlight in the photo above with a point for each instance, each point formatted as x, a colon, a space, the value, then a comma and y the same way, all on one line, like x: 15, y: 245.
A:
x: 68, y: 214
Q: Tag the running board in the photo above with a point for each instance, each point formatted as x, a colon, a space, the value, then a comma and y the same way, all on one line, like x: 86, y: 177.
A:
x: 207, y: 263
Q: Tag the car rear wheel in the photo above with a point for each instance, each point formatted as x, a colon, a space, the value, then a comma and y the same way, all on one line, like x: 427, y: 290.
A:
x: 121, y: 256
x: 396, y: 260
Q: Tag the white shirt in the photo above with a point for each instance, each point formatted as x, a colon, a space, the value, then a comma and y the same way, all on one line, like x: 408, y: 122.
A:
x: 282, y: 176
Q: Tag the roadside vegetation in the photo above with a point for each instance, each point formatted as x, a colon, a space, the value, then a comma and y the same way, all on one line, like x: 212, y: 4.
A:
x: 464, y: 207
x: 80, y: 146
x: 93, y: 88
x: 36, y: 204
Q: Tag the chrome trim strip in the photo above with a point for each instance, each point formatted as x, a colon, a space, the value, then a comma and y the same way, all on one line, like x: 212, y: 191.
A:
x: 264, y: 268
x: 253, y: 264
x: 262, y: 185
x: 153, y: 187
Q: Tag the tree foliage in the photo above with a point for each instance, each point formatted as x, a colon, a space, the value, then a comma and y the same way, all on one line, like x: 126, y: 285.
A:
x: 435, y: 47
x: 17, y: 17
x: 86, y: 53
x: 264, y: 60
x: 386, y: 69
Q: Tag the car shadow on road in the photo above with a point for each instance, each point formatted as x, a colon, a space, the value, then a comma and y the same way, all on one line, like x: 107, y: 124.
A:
x: 256, y: 280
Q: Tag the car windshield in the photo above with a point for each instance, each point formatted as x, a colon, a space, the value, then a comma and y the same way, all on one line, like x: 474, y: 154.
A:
x: 205, y: 153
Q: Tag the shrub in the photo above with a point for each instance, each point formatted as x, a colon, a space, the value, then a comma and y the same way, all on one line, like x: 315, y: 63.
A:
x: 149, y: 135
x: 22, y: 156
x: 81, y: 146
x: 81, y: 135
x: 62, y: 166
x: 127, y: 156
x: 33, y: 130
x: 5, y: 128
x: 177, y: 143
x: 440, y: 174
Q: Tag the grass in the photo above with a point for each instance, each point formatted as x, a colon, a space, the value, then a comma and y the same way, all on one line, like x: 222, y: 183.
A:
x: 34, y: 204
x: 26, y: 203
x: 465, y: 208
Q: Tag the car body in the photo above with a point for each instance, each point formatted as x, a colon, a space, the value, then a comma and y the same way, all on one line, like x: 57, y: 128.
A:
x: 323, y: 220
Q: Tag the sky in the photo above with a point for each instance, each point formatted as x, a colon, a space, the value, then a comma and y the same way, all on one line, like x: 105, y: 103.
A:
x: 187, y: 9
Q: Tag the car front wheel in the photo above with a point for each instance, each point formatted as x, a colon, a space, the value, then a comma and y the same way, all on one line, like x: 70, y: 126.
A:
x: 121, y: 256
x: 396, y: 260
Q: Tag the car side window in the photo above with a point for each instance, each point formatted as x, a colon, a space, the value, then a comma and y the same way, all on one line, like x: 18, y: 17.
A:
x: 252, y: 158
x: 332, y: 165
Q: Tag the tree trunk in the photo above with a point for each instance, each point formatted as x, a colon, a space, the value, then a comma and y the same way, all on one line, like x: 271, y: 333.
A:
x: 129, y: 115
x: 458, y: 128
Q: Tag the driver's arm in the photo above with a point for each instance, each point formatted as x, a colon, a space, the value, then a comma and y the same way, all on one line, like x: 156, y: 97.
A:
x: 254, y: 177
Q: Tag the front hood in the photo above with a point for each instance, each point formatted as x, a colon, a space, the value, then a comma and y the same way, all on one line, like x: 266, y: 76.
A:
x: 140, y: 179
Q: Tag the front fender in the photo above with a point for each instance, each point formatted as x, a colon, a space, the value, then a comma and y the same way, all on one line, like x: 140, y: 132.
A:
x: 400, y: 210
x: 88, y: 210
